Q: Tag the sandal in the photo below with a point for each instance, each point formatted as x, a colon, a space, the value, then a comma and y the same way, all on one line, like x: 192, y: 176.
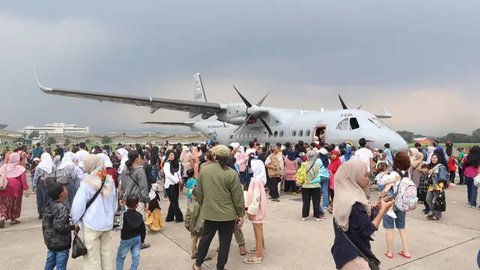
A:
x: 253, y: 260
x: 243, y: 251
x: 14, y: 222
x: 388, y: 256
x: 404, y: 255
x: 252, y: 251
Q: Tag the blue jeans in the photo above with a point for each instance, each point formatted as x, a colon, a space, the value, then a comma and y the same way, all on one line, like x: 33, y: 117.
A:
x: 58, y: 259
x: 324, y: 182
x: 132, y: 244
x: 472, y: 191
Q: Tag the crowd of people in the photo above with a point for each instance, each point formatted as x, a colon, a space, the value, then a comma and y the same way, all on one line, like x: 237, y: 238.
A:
x: 97, y: 190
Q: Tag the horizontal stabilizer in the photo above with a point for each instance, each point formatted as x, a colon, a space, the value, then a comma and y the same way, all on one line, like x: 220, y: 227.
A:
x: 185, y: 124
x: 384, y: 114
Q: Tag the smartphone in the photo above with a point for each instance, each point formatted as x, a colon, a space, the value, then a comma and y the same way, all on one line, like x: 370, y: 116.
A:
x: 392, y: 197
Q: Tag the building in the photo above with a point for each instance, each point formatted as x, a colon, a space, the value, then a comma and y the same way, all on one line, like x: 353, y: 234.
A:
x: 58, y: 129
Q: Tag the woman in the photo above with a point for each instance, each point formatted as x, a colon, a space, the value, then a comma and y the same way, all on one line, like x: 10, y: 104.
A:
x: 11, y: 198
x: 155, y: 162
x: 324, y: 176
x: 471, y: 167
x: 196, y: 160
x: 134, y: 181
x: 416, y: 171
x: 335, y: 163
x: 172, y: 182
x: 42, y: 172
x: 241, y: 159
x: 256, y: 209
x: 109, y: 167
x: 353, y: 217
x: 290, y: 164
x: 187, y: 162
x: 97, y: 220
x: 122, y: 155
x: 65, y: 174
x: 311, y: 188
x: 438, y: 179
x: 401, y: 165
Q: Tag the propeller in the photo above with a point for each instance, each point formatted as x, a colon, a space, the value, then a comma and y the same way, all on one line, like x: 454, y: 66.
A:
x: 253, y: 111
x: 344, y: 106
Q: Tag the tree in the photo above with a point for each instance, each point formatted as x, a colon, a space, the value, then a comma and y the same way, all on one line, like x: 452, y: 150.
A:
x: 33, y: 134
x: 476, y: 135
x: 51, y: 140
x: 67, y: 141
x: 406, y: 135
x: 106, y: 140
x: 87, y: 141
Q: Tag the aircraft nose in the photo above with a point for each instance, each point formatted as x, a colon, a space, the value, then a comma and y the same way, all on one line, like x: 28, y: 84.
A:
x: 397, y: 142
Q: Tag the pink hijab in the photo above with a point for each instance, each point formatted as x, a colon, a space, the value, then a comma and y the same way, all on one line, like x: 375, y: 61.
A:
x: 13, y: 167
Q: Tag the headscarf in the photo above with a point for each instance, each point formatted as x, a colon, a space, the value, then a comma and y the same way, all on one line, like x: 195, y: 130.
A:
x: 348, y: 191
x: 67, y: 160
x: 348, y: 152
x: 106, y: 160
x: 416, y: 158
x: 311, y: 161
x: 46, y: 163
x: 13, y: 168
x: 291, y: 155
x: 258, y: 169
x: 95, y: 167
x: 124, y: 157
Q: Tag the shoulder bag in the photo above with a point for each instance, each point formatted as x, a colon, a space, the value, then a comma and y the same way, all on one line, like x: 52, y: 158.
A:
x: 78, y: 247
x: 373, y: 263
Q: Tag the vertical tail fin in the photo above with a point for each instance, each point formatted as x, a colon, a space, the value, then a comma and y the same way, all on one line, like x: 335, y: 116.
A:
x: 198, y: 93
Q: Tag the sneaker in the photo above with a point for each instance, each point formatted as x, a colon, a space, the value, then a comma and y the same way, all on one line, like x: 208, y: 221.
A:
x: 304, y: 219
x: 144, y: 246
x: 194, y: 256
x: 391, y: 214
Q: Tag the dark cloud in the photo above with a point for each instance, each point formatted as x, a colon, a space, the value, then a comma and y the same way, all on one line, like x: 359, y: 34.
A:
x: 370, y: 52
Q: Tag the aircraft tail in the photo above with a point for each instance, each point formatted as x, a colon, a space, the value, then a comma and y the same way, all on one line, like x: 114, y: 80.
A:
x: 198, y: 94
x: 385, y: 114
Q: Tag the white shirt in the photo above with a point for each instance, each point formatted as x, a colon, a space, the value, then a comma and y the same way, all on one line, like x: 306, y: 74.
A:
x: 364, y: 154
x: 80, y: 156
x: 170, y: 179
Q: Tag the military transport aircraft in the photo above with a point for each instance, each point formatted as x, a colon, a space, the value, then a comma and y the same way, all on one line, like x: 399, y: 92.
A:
x: 242, y: 122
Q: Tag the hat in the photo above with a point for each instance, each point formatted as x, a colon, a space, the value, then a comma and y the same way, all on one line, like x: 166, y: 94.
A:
x: 323, y: 151
x: 221, y: 150
x: 250, y: 151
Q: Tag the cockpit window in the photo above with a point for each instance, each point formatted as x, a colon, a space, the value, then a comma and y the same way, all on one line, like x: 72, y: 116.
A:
x: 377, y: 122
x: 354, y: 123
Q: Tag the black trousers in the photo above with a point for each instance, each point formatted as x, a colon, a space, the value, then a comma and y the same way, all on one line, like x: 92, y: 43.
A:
x: 461, y: 176
x: 174, y: 212
x: 225, y: 233
x: 273, y: 187
x: 452, y: 177
x: 290, y: 186
x: 312, y: 194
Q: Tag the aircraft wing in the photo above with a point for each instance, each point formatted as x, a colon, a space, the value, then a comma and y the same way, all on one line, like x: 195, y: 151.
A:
x: 186, y: 124
x: 193, y: 107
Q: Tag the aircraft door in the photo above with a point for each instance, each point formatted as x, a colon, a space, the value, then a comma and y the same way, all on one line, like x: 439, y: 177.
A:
x: 321, y: 133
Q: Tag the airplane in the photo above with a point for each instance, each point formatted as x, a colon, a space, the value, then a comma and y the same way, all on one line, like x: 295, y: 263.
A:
x: 242, y: 122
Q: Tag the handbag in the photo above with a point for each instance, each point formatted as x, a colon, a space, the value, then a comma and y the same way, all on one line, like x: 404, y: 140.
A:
x: 476, y: 180
x: 78, y: 247
x: 373, y: 263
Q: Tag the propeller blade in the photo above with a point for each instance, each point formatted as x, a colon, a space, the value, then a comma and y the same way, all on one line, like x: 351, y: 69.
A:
x: 244, y: 123
x: 262, y: 100
x: 359, y: 107
x: 243, y: 98
x: 266, y: 125
x: 343, y: 103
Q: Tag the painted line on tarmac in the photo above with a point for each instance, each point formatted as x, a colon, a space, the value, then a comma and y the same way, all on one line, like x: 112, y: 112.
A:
x: 180, y: 246
x: 434, y: 253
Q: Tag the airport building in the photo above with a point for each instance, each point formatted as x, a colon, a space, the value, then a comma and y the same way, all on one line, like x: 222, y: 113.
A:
x: 58, y: 129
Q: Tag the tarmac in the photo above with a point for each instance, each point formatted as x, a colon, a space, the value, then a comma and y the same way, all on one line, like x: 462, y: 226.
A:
x: 451, y: 243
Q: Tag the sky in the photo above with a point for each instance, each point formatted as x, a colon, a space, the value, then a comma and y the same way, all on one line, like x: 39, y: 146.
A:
x: 420, y: 59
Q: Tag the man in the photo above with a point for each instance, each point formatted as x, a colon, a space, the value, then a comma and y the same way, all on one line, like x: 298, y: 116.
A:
x: 461, y: 155
x: 421, y: 150
x: 274, y: 168
x: 365, y: 154
x: 37, y: 151
x: 221, y: 198
x: 81, y: 154
x: 449, y: 148
x: 389, y: 155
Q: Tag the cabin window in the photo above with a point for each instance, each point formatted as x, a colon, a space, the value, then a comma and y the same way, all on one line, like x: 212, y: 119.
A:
x: 354, y: 123
x: 275, y: 134
x: 294, y: 133
x: 281, y: 133
x: 307, y: 132
x: 300, y: 133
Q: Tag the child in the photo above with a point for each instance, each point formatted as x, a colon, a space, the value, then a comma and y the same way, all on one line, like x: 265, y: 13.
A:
x: 385, y: 184
x: 194, y: 224
x: 191, y: 184
x: 423, y: 188
x: 133, y: 234
x: 56, y: 228
x: 154, y: 220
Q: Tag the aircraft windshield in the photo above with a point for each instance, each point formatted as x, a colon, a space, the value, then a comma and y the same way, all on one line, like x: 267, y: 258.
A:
x: 377, y: 122
x: 348, y: 124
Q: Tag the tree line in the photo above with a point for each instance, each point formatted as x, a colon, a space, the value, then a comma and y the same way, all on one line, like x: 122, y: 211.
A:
x: 453, y: 136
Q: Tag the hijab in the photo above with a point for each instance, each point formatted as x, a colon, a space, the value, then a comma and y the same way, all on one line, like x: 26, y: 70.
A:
x: 348, y: 152
x: 46, y: 163
x: 67, y: 160
x: 94, y: 166
x: 13, y: 168
x: 106, y: 160
x: 348, y: 191
x: 416, y: 159
x: 258, y: 169
x: 124, y: 157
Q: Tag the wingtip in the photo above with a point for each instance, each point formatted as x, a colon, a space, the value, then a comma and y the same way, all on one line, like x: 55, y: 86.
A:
x: 43, y: 88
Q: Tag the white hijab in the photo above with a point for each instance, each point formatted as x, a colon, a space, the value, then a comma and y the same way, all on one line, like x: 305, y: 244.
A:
x: 258, y: 169
x: 67, y: 160
x: 124, y: 154
x: 46, y: 163
x: 106, y: 160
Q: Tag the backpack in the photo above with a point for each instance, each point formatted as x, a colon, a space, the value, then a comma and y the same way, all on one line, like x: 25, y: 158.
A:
x: 407, y: 194
x: 3, y: 178
x: 61, y: 176
x: 50, y: 178
x: 301, y: 175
